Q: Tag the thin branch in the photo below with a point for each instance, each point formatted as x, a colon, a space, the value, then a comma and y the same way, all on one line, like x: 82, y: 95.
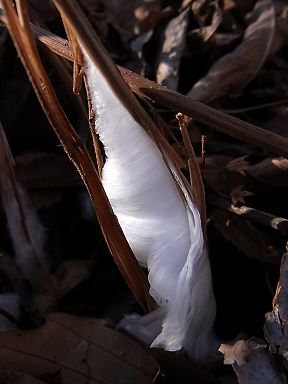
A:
x: 203, y: 153
x: 209, y: 116
x: 77, y: 59
x: 77, y: 152
x: 260, y: 217
x: 95, y: 138
x: 194, y: 171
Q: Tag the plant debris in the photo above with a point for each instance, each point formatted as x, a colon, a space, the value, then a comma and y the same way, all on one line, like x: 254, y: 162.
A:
x: 230, y: 55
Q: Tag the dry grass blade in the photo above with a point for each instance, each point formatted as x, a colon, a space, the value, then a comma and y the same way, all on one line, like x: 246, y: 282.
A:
x: 77, y: 152
x: 209, y: 116
x: 275, y: 327
x: 95, y: 138
x: 71, y: 11
x: 78, y: 76
x: 77, y: 62
x: 194, y: 171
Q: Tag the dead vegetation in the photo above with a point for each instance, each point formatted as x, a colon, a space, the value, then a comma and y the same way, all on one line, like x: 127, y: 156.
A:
x: 57, y: 275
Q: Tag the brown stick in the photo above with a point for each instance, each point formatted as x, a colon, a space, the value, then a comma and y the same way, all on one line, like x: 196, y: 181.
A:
x: 203, y: 154
x: 77, y: 152
x: 260, y: 217
x: 194, y: 171
x: 95, y: 138
x: 209, y: 116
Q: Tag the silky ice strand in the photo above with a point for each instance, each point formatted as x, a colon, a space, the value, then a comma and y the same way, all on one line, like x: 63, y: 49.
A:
x: 163, y: 230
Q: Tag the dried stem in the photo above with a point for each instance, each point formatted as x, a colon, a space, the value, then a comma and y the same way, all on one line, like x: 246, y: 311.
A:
x: 194, y: 171
x: 203, y: 153
x: 95, y: 138
x: 260, y: 217
x: 77, y: 59
x: 209, y: 116
x: 77, y: 152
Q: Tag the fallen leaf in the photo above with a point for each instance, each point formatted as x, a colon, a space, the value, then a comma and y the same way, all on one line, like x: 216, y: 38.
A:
x: 275, y: 328
x: 238, y: 165
x: 238, y: 194
x: 148, y: 14
x: 272, y: 171
x: 209, y: 15
x: 252, y: 362
x: 172, y: 51
x: 121, y: 15
x: 234, y: 70
x: 80, y: 350
x: 245, y: 236
x: 281, y: 31
x: 237, y: 353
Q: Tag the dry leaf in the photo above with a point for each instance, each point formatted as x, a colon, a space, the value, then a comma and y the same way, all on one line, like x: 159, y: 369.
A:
x: 236, y: 69
x: 79, y: 350
x: 238, y: 165
x: 238, y: 194
x: 172, y: 51
x: 273, y: 171
x: 275, y: 327
x: 207, y: 12
x: 252, y: 362
x: 148, y: 14
x: 122, y: 17
x: 23, y: 38
x: 281, y: 31
x: 245, y: 236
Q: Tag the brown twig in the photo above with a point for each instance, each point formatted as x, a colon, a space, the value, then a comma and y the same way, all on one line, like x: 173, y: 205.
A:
x: 98, y: 54
x: 95, y: 138
x: 77, y: 59
x: 194, y: 171
x: 209, y: 116
x: 256, y: 215
x: 77, y: 152
x: 203, y: 153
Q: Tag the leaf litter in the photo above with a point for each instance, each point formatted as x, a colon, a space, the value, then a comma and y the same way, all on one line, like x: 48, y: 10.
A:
x: 231, y: 54
x: 78, y: 350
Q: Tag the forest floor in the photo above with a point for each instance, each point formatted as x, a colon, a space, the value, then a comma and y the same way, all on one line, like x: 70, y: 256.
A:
x: 230, y: 55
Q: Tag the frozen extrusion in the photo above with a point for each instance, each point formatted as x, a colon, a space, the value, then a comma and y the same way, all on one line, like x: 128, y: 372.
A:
x: 163, y: 230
